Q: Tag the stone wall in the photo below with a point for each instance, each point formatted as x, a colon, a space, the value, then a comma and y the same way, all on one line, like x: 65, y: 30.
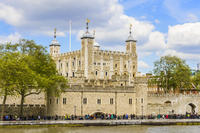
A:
x: 28, y: 110
x: 123, y: 102
x: 33, y: 105
x: 173, y: 103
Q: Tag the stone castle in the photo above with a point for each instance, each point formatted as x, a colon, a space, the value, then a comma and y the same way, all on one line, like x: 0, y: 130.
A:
x: 106, y: 82
x: 100, y: 81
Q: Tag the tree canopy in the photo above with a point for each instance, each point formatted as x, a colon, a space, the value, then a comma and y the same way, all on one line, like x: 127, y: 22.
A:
x: 171, y: 73
x: 196, y: 80
x: 29, y: 69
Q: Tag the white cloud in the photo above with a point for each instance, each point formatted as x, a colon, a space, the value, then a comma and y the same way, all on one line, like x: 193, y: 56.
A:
x: 181, y: 40
x: 192, y: 17
x: 142, y: 64
x: 155, y: 42
x: 118, y: 29
x: 133, y: 3
x: 10, y: 15
x: 186, y: 56
x: 13, y: 38
x: 44, y: 15
x: 107, y: 17
x: 187, y: 34
x: 156, y: 21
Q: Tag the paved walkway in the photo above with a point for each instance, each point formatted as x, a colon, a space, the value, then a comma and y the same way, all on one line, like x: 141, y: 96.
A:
x: 105, y: 122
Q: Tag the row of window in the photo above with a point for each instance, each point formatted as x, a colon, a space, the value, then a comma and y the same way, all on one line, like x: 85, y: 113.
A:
x: 100, y: 63
x: 98, y: 101
x: 73, y: 64
x: 142, y: 100
x: 85, y: 101
x: 96, y: 73
x: 73, y: 74
x: 108, y: 64
x: 106, y: 73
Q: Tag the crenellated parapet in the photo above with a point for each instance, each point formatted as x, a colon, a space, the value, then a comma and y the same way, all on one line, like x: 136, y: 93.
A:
x: 73, y: 53
x: 173, y: 95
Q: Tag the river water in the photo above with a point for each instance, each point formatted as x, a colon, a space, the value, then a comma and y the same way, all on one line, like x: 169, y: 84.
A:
x: 106, y: 129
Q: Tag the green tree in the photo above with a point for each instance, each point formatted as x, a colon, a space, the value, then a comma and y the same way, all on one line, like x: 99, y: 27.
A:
x: 171, y: 73
x: 7, y: 72
x: 33, y: 71
x: 40, y: 74
x: 196, y: 80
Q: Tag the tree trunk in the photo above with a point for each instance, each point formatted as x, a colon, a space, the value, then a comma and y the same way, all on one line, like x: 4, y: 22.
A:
x: 21, y: 105
x: 3, y: 105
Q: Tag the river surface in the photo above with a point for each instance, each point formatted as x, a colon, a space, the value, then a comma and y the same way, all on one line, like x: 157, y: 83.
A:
x: 106, y: 129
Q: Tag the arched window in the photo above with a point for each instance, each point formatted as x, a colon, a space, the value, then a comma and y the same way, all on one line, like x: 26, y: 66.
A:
x: 190, y: 108
x: 96, y: 72
x: 168, y: 103
x: 73, y: 75
x: 106, y: 73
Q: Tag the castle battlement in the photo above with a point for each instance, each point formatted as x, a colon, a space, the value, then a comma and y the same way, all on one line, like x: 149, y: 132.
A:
x: 68, y: 53
x: 106, y: 52
x: 174, y: 95
x: 90, y: 62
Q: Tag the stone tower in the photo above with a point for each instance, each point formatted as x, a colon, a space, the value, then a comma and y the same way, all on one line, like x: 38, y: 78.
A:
x: 87, y: 42
x: 131, y: 50
x: 54, y: 46
x: 130, y: 43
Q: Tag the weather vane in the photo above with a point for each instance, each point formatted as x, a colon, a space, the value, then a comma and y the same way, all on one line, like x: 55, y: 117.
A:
x: 55, y: 33
x: 130, y: 28
x: 87, y: 22
x: 94, y: 33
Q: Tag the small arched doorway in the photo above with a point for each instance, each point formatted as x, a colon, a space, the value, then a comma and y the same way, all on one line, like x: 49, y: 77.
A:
x: 99, y: 115
x: 168, y: 103
x: 190, y: 108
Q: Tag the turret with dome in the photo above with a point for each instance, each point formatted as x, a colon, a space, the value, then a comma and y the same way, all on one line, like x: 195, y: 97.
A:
x: 54, y: 46
x: 90, y: 62
x: 131, y: 43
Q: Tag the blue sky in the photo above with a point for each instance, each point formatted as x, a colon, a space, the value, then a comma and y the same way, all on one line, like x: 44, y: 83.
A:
x: 161, y: 27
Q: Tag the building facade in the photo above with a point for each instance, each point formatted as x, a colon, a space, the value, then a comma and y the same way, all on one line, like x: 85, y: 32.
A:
x: 100, y: 81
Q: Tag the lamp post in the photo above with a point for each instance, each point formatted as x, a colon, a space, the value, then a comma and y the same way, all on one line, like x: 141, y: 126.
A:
x: 75, y: 110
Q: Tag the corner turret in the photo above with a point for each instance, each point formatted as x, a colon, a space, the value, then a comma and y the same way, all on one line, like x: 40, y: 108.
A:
x: 54, y: 46
x: 87, y: 44
x: 130, y: 43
